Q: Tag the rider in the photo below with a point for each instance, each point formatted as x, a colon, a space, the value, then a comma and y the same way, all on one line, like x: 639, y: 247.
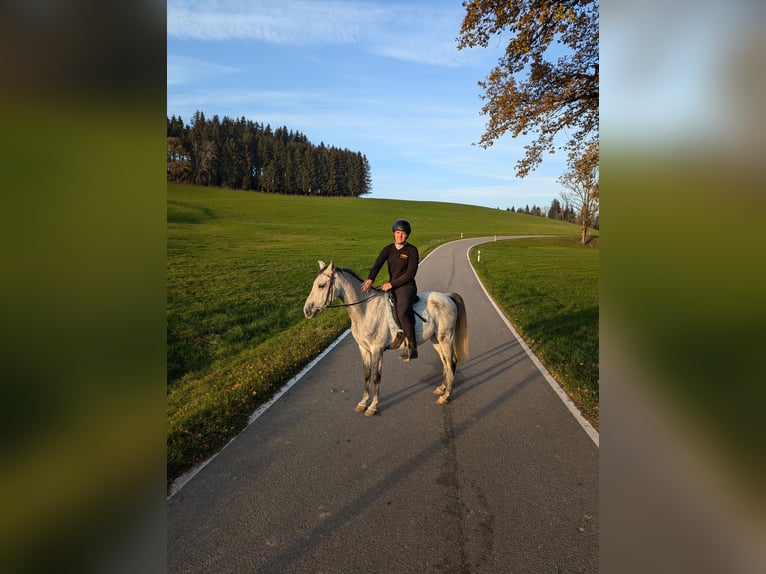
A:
x: 402, y: 259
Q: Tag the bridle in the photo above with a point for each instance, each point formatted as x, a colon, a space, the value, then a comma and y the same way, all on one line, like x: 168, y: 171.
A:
x: 330, y: 292
x: 331, y: 296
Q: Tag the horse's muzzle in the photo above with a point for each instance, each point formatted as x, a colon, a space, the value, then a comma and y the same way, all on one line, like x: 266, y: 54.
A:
x: 310, y: 312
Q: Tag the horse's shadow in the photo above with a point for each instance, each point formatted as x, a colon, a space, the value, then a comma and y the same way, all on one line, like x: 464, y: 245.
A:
x: 469, y: 375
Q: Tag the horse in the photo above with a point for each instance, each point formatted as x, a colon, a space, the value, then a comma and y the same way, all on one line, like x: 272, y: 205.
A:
x: 446, y: 326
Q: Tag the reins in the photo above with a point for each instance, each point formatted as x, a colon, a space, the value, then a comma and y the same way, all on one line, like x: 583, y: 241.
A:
x: 331, y: 296
x: 357, y: 303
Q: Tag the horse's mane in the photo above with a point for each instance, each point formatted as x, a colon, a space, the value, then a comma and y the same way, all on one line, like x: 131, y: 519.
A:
x: 353, y: 274
x: 350, y: 272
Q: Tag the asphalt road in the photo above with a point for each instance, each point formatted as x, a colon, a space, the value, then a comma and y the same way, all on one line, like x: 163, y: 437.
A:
x: 502, y: 479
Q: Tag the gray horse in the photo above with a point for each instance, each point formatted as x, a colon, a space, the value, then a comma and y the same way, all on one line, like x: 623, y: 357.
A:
x: 440, y: 317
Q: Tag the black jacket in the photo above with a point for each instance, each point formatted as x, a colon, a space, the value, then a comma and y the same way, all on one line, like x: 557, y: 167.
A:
x: 402, y: 264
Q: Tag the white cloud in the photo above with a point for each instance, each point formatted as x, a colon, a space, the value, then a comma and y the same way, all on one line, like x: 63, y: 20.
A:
x: 288, y: 21
x: 182, y: 70
x: 414, y: 33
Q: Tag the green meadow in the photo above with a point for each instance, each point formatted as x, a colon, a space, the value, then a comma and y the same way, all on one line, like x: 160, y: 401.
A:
x: 548, y: 288
x: 240, y: 265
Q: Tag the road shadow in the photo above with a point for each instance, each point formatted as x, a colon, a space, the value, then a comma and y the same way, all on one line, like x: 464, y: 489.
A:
x: 481, y: 368
x: 442, y: 445
x: 470, y: 374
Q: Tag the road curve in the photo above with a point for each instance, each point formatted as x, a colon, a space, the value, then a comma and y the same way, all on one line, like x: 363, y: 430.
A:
x: 502, y: 479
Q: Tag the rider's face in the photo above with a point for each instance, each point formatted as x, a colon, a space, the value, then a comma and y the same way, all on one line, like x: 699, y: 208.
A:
x: 399, y: 236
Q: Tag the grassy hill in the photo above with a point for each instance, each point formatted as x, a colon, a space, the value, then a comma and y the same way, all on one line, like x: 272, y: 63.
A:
x: 239, y: 267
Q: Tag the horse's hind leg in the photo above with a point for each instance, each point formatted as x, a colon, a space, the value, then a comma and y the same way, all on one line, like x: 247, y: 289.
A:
x: 447, y: 355
x: 441, y: 388
x: 376, y: 363
x: 367, y: 366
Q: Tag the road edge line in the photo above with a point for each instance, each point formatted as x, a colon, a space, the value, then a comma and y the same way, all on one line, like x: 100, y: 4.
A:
x: 587, y: 427
x: 181, y: 481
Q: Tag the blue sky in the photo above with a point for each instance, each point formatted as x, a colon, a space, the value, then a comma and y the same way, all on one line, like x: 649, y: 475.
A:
x: 378, y: 77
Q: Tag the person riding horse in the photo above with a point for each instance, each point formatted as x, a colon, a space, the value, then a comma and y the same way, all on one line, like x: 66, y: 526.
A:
x: 402, y: 259
x: 446, y: 327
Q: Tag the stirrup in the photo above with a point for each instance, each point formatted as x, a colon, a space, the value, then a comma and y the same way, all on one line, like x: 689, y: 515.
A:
x: 398, y: 340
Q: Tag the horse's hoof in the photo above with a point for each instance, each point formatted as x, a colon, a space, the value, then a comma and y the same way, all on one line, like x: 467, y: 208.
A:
x: 360, y: 407
x: 442, y: 400
x: 439, y: 391
x: 370, y: 412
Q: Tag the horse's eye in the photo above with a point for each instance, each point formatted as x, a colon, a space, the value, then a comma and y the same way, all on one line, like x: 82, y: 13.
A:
x: 321, y: 285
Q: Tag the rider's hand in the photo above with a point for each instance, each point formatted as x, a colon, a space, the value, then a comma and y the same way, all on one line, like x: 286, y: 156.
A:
x: 366, y: 285
x: 387, y: 286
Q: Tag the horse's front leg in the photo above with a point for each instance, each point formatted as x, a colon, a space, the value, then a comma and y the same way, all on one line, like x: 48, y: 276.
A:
x: 367, y: 366
x: 377, y: 364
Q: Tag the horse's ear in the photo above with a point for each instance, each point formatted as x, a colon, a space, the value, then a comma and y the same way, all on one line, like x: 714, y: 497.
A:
x: 331, y: 265
x: 322, y: 264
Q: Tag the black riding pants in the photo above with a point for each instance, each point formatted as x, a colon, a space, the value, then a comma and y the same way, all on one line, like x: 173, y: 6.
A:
x: 405, y: 297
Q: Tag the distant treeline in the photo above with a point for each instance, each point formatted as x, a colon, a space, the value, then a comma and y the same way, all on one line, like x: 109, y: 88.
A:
x: 556, y: 211
x: 242, y: 154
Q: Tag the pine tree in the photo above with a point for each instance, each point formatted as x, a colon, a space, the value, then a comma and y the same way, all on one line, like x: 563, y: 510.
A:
x: 242, y: 154
x: 555, y: 209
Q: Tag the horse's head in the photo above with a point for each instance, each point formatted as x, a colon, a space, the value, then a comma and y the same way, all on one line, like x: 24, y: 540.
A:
x: 322, y: 292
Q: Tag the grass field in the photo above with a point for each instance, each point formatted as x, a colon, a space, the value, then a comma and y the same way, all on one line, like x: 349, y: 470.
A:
x: 239, y: 267
x: 549, y: 290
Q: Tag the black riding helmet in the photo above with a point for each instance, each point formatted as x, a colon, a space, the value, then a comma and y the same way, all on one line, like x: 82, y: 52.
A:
x: 402, y: 225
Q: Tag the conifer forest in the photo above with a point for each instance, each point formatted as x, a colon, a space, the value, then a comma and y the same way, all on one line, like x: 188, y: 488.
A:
x: 242, y: 154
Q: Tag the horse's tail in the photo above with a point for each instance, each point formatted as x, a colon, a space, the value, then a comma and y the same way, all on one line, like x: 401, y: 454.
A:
x: 461, y: 328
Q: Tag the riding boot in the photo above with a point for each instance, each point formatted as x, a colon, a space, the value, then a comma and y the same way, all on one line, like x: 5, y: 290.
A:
x: 410, y: 352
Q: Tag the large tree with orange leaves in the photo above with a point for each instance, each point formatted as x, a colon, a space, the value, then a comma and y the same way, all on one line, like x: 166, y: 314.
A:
x: 529, y: 91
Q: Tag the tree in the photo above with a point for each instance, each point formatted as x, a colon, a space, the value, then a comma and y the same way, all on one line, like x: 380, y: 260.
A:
x: 366, y: 176
x: 555, y: 209
x: 581, y: 185
x: 205, y: 168
x: 242, y: 154
x: 178, y: 165
x: 526, y: 91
